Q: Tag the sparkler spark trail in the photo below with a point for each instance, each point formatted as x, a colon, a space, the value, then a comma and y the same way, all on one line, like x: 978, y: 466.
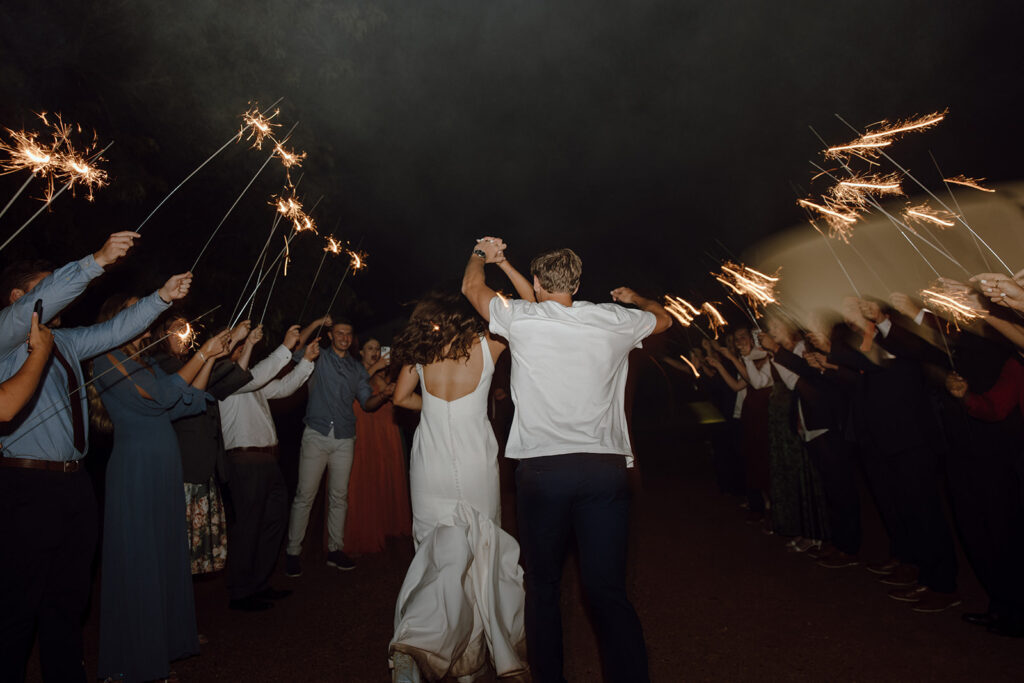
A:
x: 504, y: 301
x: 715, y: 319
x: 952, y: 300
x: 681, y: 310
x: 25, y: 153
x: 187, y: 336
x: 973, y: 183
x: 840, y: 223
x: 259, y: 125
x: 287, y: 258
x: 333, y: 247
x: 860, y: 147
x: 758, y: 288
x: 926, y: 214
x: 857, y: 190
x: 357, y: 259
x: 693, y: 369
x: 887, y: 130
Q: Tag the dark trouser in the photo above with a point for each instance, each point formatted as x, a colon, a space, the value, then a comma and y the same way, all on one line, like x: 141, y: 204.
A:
x: 586, y: 494
x: 930, y: 538
x: 839, y: 480
x: 727, y: 459
x: 48, y: 528
x: 260, y: 518
x: 883, y: 480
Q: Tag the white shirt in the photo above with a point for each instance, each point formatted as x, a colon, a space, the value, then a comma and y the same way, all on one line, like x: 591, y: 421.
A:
x: 569, y: 367
x: 245, y: 416
x: 790, y: 378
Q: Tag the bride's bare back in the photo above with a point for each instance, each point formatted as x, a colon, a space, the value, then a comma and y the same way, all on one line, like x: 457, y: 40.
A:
x: 450, y: 380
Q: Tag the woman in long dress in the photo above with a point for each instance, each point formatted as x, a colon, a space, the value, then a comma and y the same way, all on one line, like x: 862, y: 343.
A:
x: 378, y: 489
x: 147, y: 613
x: 461, y: 604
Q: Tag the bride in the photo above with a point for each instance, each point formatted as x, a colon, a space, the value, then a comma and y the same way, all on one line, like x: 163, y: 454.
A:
x: 462, y: 600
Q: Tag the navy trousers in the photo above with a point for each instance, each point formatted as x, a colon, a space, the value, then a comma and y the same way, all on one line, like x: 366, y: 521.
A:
x: 586, y: 495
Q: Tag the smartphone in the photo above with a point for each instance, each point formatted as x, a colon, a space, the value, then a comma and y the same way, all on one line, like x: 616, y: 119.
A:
x: 385, y: 351
x: 38, y: 308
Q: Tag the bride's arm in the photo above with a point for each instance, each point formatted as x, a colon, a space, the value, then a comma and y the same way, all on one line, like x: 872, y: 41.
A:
x: 524, y: 288
x: 405, y: 395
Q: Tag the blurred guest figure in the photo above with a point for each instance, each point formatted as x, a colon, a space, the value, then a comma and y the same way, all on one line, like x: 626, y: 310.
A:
x: 147, y: 614
x: 378, y: 491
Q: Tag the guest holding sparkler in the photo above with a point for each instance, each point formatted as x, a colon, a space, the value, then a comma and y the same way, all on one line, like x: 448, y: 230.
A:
x: 258, y: 491
x: 147, y: 614
x: 798, y: 506
x: 329, y: 440
x: 16, y: 391
x: 573, y: 453
x: 199, y: 440
x: 378, y: 490
x: 46, y: 497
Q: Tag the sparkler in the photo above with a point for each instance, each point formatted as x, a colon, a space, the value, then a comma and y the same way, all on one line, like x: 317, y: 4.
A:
x: 840, y: 220
x: 681, y: 310
x: 259, y: 125
x: 504, y: 301
x: 693, y: 368
x: 756, y: 287
x: 959, y: 218
x: 925, y: 214
x: 973, y: 183
x: 357, y: 261
x: 333, y: 246
x: 52, y: 198
x: 952, y: 198
x: 187, y: 336
x: 255, y: 266
x: 715, y: 319
x: 887, y: 130
x: 860, y: 147
x: 858, y: 189
x: 953, y: 300
x: 232, y: 139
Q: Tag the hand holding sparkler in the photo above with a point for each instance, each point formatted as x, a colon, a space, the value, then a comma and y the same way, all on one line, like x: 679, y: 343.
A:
x: 905, y: 305
x: 255, y: 336
x: 292, y: 338
x: 624, y: 295
x: 850, y: 310
x: 1001, y: 289
x: 215, y: 347
x: 819, y: 341
x: 176, y: 287
x: 240, y: 331
x: 312, y: 351
x: 956, y: 385
x: 116, y: 246
x: 768, y: 342
x: 40, y: 339
x: 871, y: 311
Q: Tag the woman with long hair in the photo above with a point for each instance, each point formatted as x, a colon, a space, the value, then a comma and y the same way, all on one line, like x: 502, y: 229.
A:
x: 147, y: 613
x: 462, y: 600
x: 378, y: 491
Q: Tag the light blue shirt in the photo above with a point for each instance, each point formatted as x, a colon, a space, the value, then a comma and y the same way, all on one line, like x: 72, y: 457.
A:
x: 336, y: 382
x: 43, y: 430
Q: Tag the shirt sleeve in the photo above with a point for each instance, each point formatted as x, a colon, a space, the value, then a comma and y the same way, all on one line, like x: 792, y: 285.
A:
x: 502, y: 311
x: 125, y: 326
x: 363, y: 389
x: 644, y: 323
x: 56, y: 291
x: 267, y: 369
x: 287, y: 385
x: 759, y: 379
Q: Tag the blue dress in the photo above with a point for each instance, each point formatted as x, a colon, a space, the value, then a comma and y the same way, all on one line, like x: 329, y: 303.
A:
x: 147, y: 613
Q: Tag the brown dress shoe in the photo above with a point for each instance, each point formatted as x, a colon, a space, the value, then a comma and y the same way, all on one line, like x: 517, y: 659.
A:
x: 838, y: 560
x: 883, y: 568
x: 915, y: 594
x: 904, y: 575
x: 932, y: 601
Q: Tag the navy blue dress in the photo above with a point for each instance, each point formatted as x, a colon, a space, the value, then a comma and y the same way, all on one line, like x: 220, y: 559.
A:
x: 147, y: 613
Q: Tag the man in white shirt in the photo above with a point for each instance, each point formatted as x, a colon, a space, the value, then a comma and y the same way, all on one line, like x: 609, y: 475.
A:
x: 569, y: 366
x: 258, y: 491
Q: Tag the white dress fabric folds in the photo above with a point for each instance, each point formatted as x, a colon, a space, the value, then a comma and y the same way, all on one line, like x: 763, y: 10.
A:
x: 462, y: 598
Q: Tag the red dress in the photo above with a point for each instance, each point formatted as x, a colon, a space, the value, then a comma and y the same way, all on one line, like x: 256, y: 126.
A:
x: 378, y: 487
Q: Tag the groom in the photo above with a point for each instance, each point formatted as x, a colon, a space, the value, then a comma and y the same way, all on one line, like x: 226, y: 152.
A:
x: 569, y: 366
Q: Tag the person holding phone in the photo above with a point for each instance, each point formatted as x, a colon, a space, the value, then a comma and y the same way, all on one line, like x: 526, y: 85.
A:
x: 378, y: 492
x: 16, y: 391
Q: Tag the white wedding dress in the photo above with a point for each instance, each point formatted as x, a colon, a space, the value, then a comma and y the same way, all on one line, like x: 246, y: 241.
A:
x: 462, y: 597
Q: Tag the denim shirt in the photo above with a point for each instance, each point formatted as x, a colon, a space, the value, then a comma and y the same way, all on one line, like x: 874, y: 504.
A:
x: 43, y: 429
x: 335, y: 383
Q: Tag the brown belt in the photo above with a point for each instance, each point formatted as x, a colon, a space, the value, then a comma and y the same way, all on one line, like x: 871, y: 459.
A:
x: 49, y: 465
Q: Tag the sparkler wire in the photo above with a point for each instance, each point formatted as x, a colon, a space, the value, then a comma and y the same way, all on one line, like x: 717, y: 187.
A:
x: 28, y: 180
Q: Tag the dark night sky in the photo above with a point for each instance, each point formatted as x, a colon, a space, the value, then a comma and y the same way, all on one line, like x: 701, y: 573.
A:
x: 636, y: 132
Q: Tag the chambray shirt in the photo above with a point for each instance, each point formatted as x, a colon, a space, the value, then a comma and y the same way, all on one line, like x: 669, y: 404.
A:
x: 335, y: 383
x: 43, y: 430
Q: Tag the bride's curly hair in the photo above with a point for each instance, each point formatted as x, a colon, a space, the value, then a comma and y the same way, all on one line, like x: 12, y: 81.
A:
x: 442, y: 327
